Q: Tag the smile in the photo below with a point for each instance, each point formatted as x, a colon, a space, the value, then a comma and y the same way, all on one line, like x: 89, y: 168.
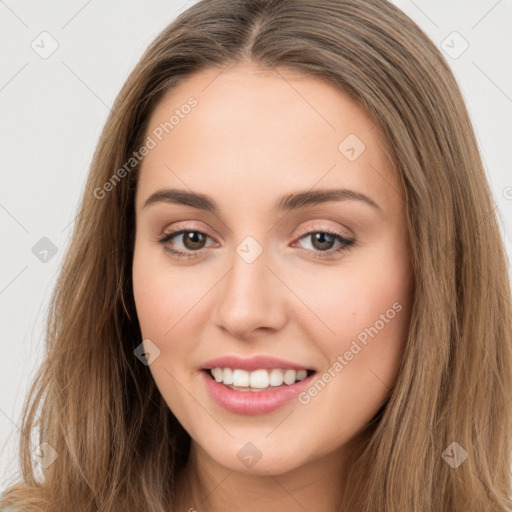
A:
x: 258, y: 380
x: 251, y: 400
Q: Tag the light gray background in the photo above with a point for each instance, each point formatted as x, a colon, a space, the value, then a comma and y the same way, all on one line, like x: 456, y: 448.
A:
x: 53, y: 109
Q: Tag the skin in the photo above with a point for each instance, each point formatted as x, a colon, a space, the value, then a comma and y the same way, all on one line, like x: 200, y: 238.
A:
x: 257, y: 135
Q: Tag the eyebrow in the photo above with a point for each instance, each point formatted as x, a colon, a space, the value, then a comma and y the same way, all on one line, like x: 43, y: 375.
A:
x: 286, y: 203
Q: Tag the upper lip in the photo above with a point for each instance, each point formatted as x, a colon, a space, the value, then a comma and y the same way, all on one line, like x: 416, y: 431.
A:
x: 261, y: 362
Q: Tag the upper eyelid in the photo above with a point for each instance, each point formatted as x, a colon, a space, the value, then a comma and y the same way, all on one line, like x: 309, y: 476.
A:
x: 323, y: 229
x: 317, y: 227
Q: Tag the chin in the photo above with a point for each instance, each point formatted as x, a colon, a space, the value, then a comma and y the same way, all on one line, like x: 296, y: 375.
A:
x: 259, y: 457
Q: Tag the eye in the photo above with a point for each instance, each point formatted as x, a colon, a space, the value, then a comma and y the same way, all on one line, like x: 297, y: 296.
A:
x: 192, y: 241
x: 322, y: 242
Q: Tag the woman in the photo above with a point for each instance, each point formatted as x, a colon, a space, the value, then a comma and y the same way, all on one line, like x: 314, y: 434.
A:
x: 286, y: 287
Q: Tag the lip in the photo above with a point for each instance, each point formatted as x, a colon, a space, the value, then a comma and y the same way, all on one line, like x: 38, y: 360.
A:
x: 252, y: 363
x: 253, y: 402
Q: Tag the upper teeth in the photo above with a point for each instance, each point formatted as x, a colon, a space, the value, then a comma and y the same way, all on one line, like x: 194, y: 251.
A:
x: 258, y: 378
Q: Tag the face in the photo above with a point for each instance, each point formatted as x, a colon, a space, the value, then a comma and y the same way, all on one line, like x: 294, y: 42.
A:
x: 270, y: 244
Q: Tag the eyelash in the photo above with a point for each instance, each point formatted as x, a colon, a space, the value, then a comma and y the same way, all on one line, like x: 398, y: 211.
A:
x: 346, y: 243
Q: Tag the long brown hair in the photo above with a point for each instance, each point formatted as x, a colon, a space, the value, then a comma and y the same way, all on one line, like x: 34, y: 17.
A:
x: 119, y: 446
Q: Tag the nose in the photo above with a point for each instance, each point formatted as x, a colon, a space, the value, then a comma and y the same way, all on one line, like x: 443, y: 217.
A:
x: 250, y: 299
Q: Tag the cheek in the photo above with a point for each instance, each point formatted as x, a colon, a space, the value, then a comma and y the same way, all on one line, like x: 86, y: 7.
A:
x: 355, y: 298
x: 362, y: 310
x: 368, y: 312
x: 164, y: 296
x: 167, y: 304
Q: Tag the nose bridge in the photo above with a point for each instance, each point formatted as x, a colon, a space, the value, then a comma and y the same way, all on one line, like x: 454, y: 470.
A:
x: 249, y: 297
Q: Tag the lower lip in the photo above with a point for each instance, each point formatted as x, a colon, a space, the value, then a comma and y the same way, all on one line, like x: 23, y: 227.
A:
x: 252, y: 402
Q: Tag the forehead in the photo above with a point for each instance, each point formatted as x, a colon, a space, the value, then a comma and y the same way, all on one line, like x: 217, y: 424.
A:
x: 255, y: 133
